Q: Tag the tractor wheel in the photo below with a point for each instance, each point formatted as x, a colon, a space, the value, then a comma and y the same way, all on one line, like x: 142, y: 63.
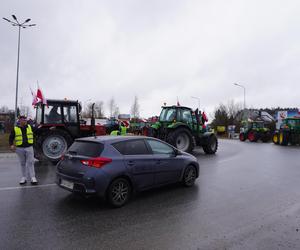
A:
x: 283, y: 138
x: 275, y: 138
x: 211, y: 146
x: 266, y: 137
x: 252, y: 136
x: 242, y: 137
x: 52, y: 145
x: 181, y: 138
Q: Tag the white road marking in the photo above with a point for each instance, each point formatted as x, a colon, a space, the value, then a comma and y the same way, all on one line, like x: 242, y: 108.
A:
x: 27, y: 187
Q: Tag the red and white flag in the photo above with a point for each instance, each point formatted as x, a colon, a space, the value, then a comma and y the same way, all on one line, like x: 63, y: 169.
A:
x: 34, y: 98
x: 40, y: 96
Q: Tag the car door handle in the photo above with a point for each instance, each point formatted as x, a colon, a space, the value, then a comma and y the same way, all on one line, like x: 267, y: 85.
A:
x: 130, y: 163
x: 158, y: 161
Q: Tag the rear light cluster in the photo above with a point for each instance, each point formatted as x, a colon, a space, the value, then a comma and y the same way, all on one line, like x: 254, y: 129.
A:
x: 96, y: 162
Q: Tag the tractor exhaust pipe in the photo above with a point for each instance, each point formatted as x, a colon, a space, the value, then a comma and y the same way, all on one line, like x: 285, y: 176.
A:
x: 93, y: 119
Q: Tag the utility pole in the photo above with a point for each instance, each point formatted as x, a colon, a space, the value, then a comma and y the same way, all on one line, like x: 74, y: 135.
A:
x: 19, y: 25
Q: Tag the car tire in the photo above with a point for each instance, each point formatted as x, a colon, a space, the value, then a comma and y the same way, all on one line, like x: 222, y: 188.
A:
x: 119, y: 192
x: 189, y: 176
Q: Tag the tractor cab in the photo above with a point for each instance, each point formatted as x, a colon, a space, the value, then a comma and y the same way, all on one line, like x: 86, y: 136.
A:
x: 59, y: 113
x: 291, y: 123
x: 58, y: 123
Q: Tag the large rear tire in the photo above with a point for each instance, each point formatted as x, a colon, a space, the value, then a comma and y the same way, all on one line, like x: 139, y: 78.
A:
x: 212, y: 145
x: 252, y: 136
x: 266, y: 137
x: 52, y: 145
x: 275, y: 138
x: 182, y: 139
x: 283, y: 138
x: 242, y: 137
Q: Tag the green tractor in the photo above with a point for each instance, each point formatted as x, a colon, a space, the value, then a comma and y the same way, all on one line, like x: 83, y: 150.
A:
x: 253, y: 131
x: 289, y: 132
x: 184, y: 128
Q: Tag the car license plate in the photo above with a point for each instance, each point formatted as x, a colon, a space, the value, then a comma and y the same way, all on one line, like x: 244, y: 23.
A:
x: 67, y: 184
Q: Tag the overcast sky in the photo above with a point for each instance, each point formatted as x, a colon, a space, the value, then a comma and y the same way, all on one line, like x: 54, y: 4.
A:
x: 155, y: 49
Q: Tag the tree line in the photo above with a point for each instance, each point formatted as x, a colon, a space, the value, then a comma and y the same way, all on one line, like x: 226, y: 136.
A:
x: 113, y: 109
x: 229, y: 113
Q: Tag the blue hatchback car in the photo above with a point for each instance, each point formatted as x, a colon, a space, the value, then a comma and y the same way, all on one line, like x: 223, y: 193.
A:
x: 113, y: 167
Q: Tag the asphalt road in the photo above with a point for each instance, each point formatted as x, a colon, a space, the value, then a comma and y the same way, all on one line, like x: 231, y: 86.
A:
x: 247, y: 197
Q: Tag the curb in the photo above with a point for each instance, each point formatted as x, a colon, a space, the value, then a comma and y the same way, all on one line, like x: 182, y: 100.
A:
x: 7, y: 155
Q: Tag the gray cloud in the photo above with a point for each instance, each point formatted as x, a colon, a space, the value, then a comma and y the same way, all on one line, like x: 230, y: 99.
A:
x: 157, y: 50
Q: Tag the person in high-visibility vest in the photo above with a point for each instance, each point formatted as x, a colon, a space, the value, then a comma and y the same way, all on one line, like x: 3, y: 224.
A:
x: 122, y: 130
x: 21, y: 142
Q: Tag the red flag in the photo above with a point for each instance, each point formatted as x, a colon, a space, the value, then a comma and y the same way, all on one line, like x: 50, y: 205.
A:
x: 204, y: 116
x: 40, y: 96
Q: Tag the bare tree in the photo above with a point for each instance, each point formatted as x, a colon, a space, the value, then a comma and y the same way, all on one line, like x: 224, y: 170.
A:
x: 3, y: 109
x: 233, y: 108
x: 116, y: 111
x: 111, y: 106
x: 99, y: 110
x: 113, y: 109
x: 135, y: 108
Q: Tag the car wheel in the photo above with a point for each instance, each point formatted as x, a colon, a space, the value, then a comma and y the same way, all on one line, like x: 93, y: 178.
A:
x: 189, y: 176
x: 119, y: 192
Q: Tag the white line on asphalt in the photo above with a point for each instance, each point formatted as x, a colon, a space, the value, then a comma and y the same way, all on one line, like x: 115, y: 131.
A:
x: 27, y: 187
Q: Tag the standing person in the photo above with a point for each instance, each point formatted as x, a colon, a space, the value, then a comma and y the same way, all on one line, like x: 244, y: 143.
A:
x: 21, y: 142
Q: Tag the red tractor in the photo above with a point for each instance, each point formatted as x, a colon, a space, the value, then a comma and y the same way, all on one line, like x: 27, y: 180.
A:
x: 58, y: 123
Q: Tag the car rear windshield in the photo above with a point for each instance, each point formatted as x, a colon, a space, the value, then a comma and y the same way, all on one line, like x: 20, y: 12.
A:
x: 91, y: 149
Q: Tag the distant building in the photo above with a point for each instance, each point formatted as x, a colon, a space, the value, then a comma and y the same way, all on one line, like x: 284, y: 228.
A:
x: 124, y: 117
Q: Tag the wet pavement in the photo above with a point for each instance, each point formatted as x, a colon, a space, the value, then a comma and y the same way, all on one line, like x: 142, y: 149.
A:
x: 247, y: 197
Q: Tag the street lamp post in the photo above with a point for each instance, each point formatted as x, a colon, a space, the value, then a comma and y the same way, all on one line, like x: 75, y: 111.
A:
x: 19, y: 25
x: 197, y: 98
x: 244, y: 93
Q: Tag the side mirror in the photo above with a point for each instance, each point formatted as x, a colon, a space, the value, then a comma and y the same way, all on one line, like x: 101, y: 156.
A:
x: 175, y: 153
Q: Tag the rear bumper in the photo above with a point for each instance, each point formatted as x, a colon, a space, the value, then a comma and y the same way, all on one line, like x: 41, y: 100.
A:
x: 81, y: 186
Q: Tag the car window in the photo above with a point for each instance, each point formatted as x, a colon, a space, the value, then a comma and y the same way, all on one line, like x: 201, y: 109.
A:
x: 132, y: 147
x: 158, y: 147
x: 90, y: 149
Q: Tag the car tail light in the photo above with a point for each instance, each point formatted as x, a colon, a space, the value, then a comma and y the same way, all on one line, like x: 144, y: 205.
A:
x: 96, y: 162
x: 62, y: 157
